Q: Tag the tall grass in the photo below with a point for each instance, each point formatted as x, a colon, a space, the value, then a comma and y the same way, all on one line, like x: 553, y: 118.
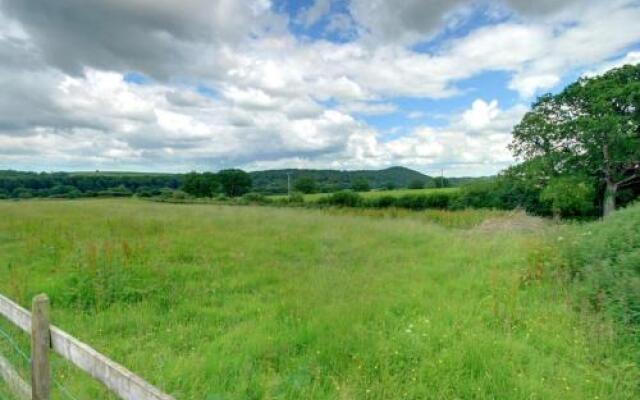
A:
x: 215, y: 302
x: 378, y: 193
x: 604, y: 257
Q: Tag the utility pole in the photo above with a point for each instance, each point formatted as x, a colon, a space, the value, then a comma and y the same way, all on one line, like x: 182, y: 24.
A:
x: 289, y: 183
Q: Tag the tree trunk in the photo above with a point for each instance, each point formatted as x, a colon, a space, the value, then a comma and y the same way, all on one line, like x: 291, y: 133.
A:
x: 609, y: 205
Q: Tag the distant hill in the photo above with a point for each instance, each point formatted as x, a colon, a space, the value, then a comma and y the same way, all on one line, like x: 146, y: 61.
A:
x: 275, y: 181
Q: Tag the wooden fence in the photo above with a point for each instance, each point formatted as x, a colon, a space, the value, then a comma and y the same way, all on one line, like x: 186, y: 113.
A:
x: 46, y: 337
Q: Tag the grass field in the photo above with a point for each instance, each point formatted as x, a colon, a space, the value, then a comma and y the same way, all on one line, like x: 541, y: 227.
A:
x: 218, y: 302
x: 376, y: 193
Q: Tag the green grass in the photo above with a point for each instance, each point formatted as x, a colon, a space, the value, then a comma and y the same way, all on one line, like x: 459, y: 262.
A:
x: 375, y: 193
x: 218, y: 302
x: 5, y: 393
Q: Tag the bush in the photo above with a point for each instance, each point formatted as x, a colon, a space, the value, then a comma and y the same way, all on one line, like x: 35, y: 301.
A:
x: 306, y: 184
x: 360, y: 185
x: 416, y: 184
x: 295, y: 197
x: 345, y: 198
x: 253, y: 197
x: 165, y: 193
x: 389, y: 186
x: 119, y: 191
x: 221, y: 197
x: 385, y: 201
x: 425, y: 201
x: 569, y: 196
x: 481, y: 194
x: 179, y: 195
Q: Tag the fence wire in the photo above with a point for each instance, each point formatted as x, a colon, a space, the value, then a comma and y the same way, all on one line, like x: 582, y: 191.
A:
x: 14, y: 345
x: 66, y: 393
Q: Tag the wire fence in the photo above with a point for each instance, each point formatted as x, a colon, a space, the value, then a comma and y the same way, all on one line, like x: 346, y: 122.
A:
x: 23, y: 356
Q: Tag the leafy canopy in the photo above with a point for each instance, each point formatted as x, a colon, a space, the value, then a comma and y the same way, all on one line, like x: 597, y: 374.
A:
x: 591, y: 128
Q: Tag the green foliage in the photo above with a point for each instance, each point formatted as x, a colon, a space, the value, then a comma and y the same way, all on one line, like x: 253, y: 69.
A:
x: 87, y: 184
x: 296, y: 198
x: 235, y: 182
x: 481, y: 194
x: 438, y: 200
x: 305, y: 185
x: 569, y: 196
x: 179, y: 195
x: 253, y: 197
x: 591, y: 128
x: 201, y: 185
x: 605, y: 257
x: 416, y: 184
x: 345, y: 198
x: 360, y: 185
x: 385, y: 201
x: 441, y: 182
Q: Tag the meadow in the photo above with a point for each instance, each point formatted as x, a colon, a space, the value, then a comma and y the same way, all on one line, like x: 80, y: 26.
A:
x: 375, y: 193
x: 227, y: 302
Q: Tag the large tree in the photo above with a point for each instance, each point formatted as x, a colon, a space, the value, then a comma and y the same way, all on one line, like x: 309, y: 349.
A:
x: 235, y: 182
x: 305, y: 185
x: 591, y: 128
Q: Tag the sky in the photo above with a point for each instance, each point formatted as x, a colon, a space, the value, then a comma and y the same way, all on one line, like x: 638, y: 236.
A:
x: 175, y: 86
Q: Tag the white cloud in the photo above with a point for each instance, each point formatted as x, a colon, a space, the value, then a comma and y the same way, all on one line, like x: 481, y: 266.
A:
x: 631, y: 58
x: 480, y: 114
x: 279, y: 100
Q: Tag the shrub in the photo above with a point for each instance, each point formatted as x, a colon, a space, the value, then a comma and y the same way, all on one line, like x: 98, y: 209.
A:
x: 569, y: 196
x: 424, y: 201
x: 165, y: 193
x: 179, y: 195
x: 306, y: 184
x: 481, y: 194
x: 385, y: 201
x: 253, y: 197
x: 345, y: 198
x: 118, y: 191
x: 360, y: 185
x: 416, y: 184
x: 441, y: 182
x: 221, y: 197
x: 295, y: 197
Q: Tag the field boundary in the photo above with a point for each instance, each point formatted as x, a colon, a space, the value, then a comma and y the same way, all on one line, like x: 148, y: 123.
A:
x: 119, y: 380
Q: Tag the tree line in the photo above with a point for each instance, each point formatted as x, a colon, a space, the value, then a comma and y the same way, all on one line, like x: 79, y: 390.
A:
x: 229, y: 182
x: 18, y: 184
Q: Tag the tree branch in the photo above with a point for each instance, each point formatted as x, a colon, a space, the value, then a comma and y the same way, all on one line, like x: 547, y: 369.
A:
x: 628, y: 180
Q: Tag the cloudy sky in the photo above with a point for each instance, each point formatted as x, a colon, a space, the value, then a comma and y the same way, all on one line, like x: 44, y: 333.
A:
x: 167, y: 85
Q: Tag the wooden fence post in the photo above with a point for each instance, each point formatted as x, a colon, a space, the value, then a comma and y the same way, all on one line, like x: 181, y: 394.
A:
x: 40, y: 344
